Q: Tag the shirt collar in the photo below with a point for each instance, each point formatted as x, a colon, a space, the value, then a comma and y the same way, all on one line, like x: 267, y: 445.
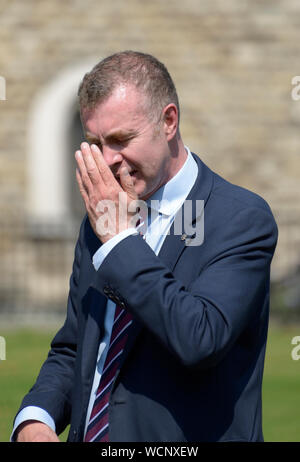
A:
x: 170, y: 197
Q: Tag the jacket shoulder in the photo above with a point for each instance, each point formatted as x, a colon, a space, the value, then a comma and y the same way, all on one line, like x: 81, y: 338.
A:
x: 238, y: 196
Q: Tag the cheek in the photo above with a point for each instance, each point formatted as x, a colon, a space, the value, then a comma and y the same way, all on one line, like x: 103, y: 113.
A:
x: 152, y: 165
x: 148, y: 162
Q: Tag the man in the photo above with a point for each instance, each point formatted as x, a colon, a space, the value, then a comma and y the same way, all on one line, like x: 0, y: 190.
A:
x: 194, y: 310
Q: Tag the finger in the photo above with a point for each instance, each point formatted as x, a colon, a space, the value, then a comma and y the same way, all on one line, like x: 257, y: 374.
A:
x: 90, y: 164
x: 87, y: 183
x: 82, y: 189
x: 104, y: 170
x: 127, y: 182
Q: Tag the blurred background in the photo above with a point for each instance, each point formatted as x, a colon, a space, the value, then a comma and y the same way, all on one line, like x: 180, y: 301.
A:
x: 235, y: 65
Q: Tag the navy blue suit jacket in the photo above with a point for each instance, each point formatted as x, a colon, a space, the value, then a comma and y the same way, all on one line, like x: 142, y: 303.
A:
x: 193, y: 366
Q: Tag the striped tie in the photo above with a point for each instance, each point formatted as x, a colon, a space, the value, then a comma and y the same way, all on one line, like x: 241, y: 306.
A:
x: 97, y: 430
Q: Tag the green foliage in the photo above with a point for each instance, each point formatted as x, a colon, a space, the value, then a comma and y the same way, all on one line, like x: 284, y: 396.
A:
x: 26, y: 350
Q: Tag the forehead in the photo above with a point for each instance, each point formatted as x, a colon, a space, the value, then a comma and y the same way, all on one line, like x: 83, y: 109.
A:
x: 123, y: 109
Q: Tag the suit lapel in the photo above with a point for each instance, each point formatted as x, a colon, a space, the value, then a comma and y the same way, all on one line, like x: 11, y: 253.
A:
x: 93, y: 309
x: 175, y: 243
x: 93, y: 332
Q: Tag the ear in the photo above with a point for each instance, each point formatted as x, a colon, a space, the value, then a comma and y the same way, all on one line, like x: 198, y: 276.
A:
x: 170, y: 118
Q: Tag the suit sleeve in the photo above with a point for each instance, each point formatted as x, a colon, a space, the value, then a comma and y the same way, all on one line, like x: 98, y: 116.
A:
x: 53, y: 387
x: 199, y: 323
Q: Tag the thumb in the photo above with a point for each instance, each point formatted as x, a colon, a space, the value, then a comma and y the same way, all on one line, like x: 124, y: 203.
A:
x: 127, y: 182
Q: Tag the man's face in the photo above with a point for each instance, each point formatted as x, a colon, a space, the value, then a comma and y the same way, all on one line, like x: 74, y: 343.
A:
x: 126, y: 136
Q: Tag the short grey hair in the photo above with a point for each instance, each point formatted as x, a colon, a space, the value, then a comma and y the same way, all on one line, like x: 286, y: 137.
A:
x: 141, y: 70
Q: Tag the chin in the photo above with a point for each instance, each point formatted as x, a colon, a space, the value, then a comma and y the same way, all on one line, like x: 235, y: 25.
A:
x: 140, y: 190
x: 143, y: 190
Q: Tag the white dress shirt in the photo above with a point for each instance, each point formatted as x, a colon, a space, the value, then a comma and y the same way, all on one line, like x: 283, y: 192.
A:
x: 164, y: 204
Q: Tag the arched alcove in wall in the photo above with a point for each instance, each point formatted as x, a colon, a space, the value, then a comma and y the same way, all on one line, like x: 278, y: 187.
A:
x: 75, y: 137
x: 53, y: 204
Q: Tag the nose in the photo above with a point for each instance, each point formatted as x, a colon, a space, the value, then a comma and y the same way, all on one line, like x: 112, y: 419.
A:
x: 111, y: 156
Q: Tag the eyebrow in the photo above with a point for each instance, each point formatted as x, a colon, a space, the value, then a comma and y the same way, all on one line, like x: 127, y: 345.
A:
x: 121, y: 134
x: 118, y: 134
x: 91, y: 138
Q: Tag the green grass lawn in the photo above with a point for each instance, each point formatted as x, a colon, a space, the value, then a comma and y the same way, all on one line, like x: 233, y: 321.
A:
x: 25, y: 352
x: 281, y: 387
x: 26, y: 349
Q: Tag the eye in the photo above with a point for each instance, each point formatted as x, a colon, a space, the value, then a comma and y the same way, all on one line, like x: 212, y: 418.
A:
x: 125, y: 141
x: 119, y: 141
